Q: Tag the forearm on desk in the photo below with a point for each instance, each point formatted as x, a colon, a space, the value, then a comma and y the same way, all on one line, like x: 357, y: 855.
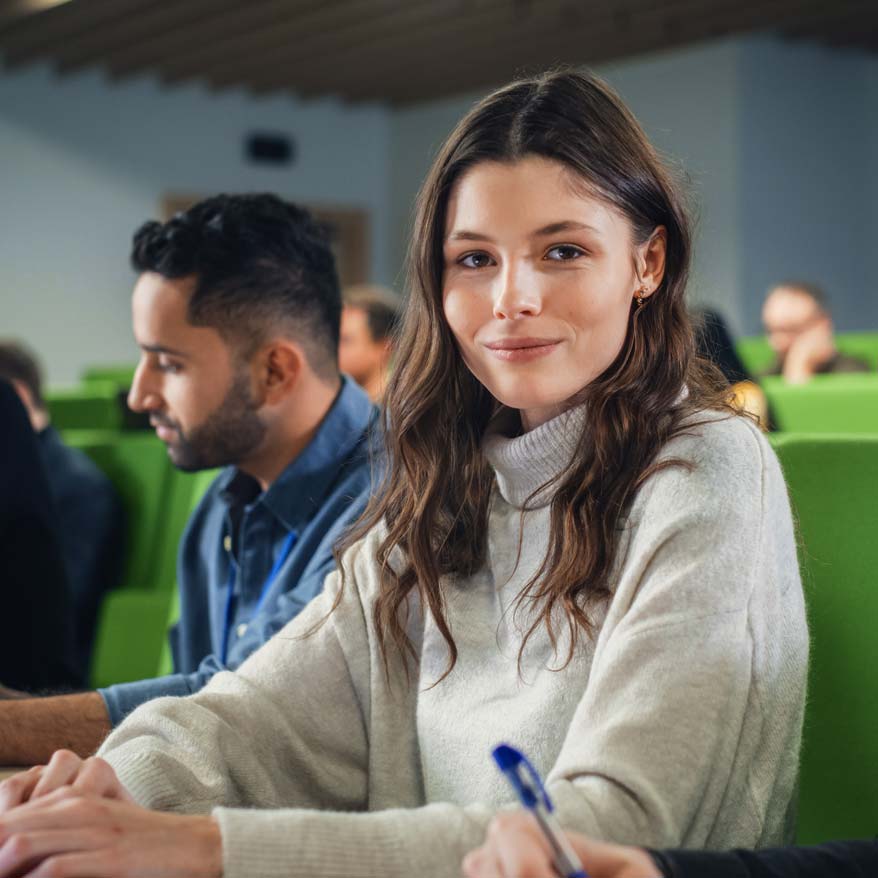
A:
x: 34, y: 728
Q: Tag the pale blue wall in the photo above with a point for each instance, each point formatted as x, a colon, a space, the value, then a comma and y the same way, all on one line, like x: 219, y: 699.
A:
x: 806, y: 170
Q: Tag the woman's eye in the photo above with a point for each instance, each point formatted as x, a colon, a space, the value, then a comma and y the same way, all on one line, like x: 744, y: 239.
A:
x: 564, y: 253
x: 169, y: 368
x: 475, y: 260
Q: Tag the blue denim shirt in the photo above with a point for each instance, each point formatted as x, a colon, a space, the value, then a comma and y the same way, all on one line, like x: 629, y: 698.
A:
x: 316, y: 498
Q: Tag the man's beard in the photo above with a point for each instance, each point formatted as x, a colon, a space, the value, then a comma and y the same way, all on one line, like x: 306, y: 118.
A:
x: 230, y: 433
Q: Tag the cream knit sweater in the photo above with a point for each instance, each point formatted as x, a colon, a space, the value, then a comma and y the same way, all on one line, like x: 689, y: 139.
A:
x: 678, y: 725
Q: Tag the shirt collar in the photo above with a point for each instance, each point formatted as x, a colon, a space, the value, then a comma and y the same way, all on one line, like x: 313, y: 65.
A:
x: 300, y: 488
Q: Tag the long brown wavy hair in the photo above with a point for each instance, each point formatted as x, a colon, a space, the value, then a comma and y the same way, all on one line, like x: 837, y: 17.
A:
x: 438, y: 486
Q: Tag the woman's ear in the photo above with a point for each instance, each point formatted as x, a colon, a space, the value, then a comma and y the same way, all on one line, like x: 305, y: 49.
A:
x: 651, y: 261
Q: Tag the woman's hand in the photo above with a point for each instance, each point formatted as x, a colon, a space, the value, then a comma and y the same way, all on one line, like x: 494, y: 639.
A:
x: 515, y: 848
x: 68, y: 834
x: 92, y: 776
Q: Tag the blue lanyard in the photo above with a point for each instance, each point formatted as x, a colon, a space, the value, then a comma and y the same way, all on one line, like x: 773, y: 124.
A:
x: 287, y: 547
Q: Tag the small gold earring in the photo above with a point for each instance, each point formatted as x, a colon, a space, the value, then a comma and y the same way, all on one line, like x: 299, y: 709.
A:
x: 640, y: 299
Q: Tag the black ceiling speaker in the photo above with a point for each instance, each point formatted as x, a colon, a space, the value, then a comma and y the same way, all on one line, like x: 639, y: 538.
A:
x: 270, y: 149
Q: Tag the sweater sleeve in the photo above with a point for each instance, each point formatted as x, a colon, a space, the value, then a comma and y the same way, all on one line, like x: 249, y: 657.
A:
x: 286, y: 728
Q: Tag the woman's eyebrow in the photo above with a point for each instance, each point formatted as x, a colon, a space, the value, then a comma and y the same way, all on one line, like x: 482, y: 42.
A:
x: 564, y: 226
x: 464, y: 235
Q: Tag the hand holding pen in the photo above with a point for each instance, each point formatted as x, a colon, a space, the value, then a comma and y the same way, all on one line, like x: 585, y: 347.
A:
x: 532, y: 794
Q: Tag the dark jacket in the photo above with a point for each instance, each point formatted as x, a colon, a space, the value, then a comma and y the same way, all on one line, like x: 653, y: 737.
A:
x: 841, y: 859
x: 91, y: 519
x: 36, y: 646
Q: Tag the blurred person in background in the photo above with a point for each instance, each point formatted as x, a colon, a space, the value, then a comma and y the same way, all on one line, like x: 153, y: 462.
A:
x: 515, y: 847
x: 368, y: 323
x: 90, y: 513
x: 714, y: 342
x: 36, y: 646
x: 800, y: 331
x: 236, y: 311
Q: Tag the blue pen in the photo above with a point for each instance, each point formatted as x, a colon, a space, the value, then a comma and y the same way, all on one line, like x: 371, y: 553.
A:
x: 532, y: 794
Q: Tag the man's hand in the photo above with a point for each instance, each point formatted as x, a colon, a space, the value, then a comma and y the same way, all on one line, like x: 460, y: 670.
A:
x: 68, y: 834
x: 32, y: 729
x: 810, y: 350
x: 93, y: 777
x: 515, y: 848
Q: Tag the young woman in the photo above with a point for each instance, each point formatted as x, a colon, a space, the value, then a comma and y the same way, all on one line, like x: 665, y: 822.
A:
x: 579, y: 550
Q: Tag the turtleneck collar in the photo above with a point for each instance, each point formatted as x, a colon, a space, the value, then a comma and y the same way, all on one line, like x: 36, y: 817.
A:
x: 523, y: 463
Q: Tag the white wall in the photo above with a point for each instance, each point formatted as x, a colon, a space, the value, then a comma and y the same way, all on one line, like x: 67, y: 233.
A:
x: 84, y: 162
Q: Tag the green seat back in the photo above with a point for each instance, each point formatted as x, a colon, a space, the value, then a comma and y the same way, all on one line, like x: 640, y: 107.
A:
x: 137, y: 465
x: 826, y: 404
x: 833, y: 483
x: 198, y: 485
x: 132, y: 635
x: 120, y: 376
x: 860, y: 344
x: 178, y: 504
x: 92, y: 407
x: 129, y: 636
x: 755, y: 353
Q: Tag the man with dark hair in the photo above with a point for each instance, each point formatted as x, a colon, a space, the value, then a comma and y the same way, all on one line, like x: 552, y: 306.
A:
x: 368, y: 324
x: 88, y: 510
x: 236, y: 311
x: 799, y: 329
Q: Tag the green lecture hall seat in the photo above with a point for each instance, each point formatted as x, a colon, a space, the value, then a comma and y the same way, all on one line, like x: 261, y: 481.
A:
x: 137, y: 465
x: 833, y: 483
x: 90, y: 407
x: 826, y: 404
x: 134, y: 621
x: 121, y: 376
x: 199, y: 483
x: 157, y: 499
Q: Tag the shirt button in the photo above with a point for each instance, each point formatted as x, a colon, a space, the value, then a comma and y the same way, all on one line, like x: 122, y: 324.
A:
x: 241, y: 630
x: 227, y: 543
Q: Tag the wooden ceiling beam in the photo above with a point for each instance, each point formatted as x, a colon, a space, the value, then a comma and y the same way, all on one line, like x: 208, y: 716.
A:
x: 439, y: 55
x: 17, y: 11
x: 318, y: 28
x: 40, y: 36
x: 151, y: 24
x: 449, y: 35
x: 220, y: 28
x: 487, y: 20
x: 834, y: 18
x: 509, y: 56
x: 533, y: 48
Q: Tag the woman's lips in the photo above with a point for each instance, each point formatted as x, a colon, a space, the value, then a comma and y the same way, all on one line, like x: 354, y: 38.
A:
x: 519, y: 350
